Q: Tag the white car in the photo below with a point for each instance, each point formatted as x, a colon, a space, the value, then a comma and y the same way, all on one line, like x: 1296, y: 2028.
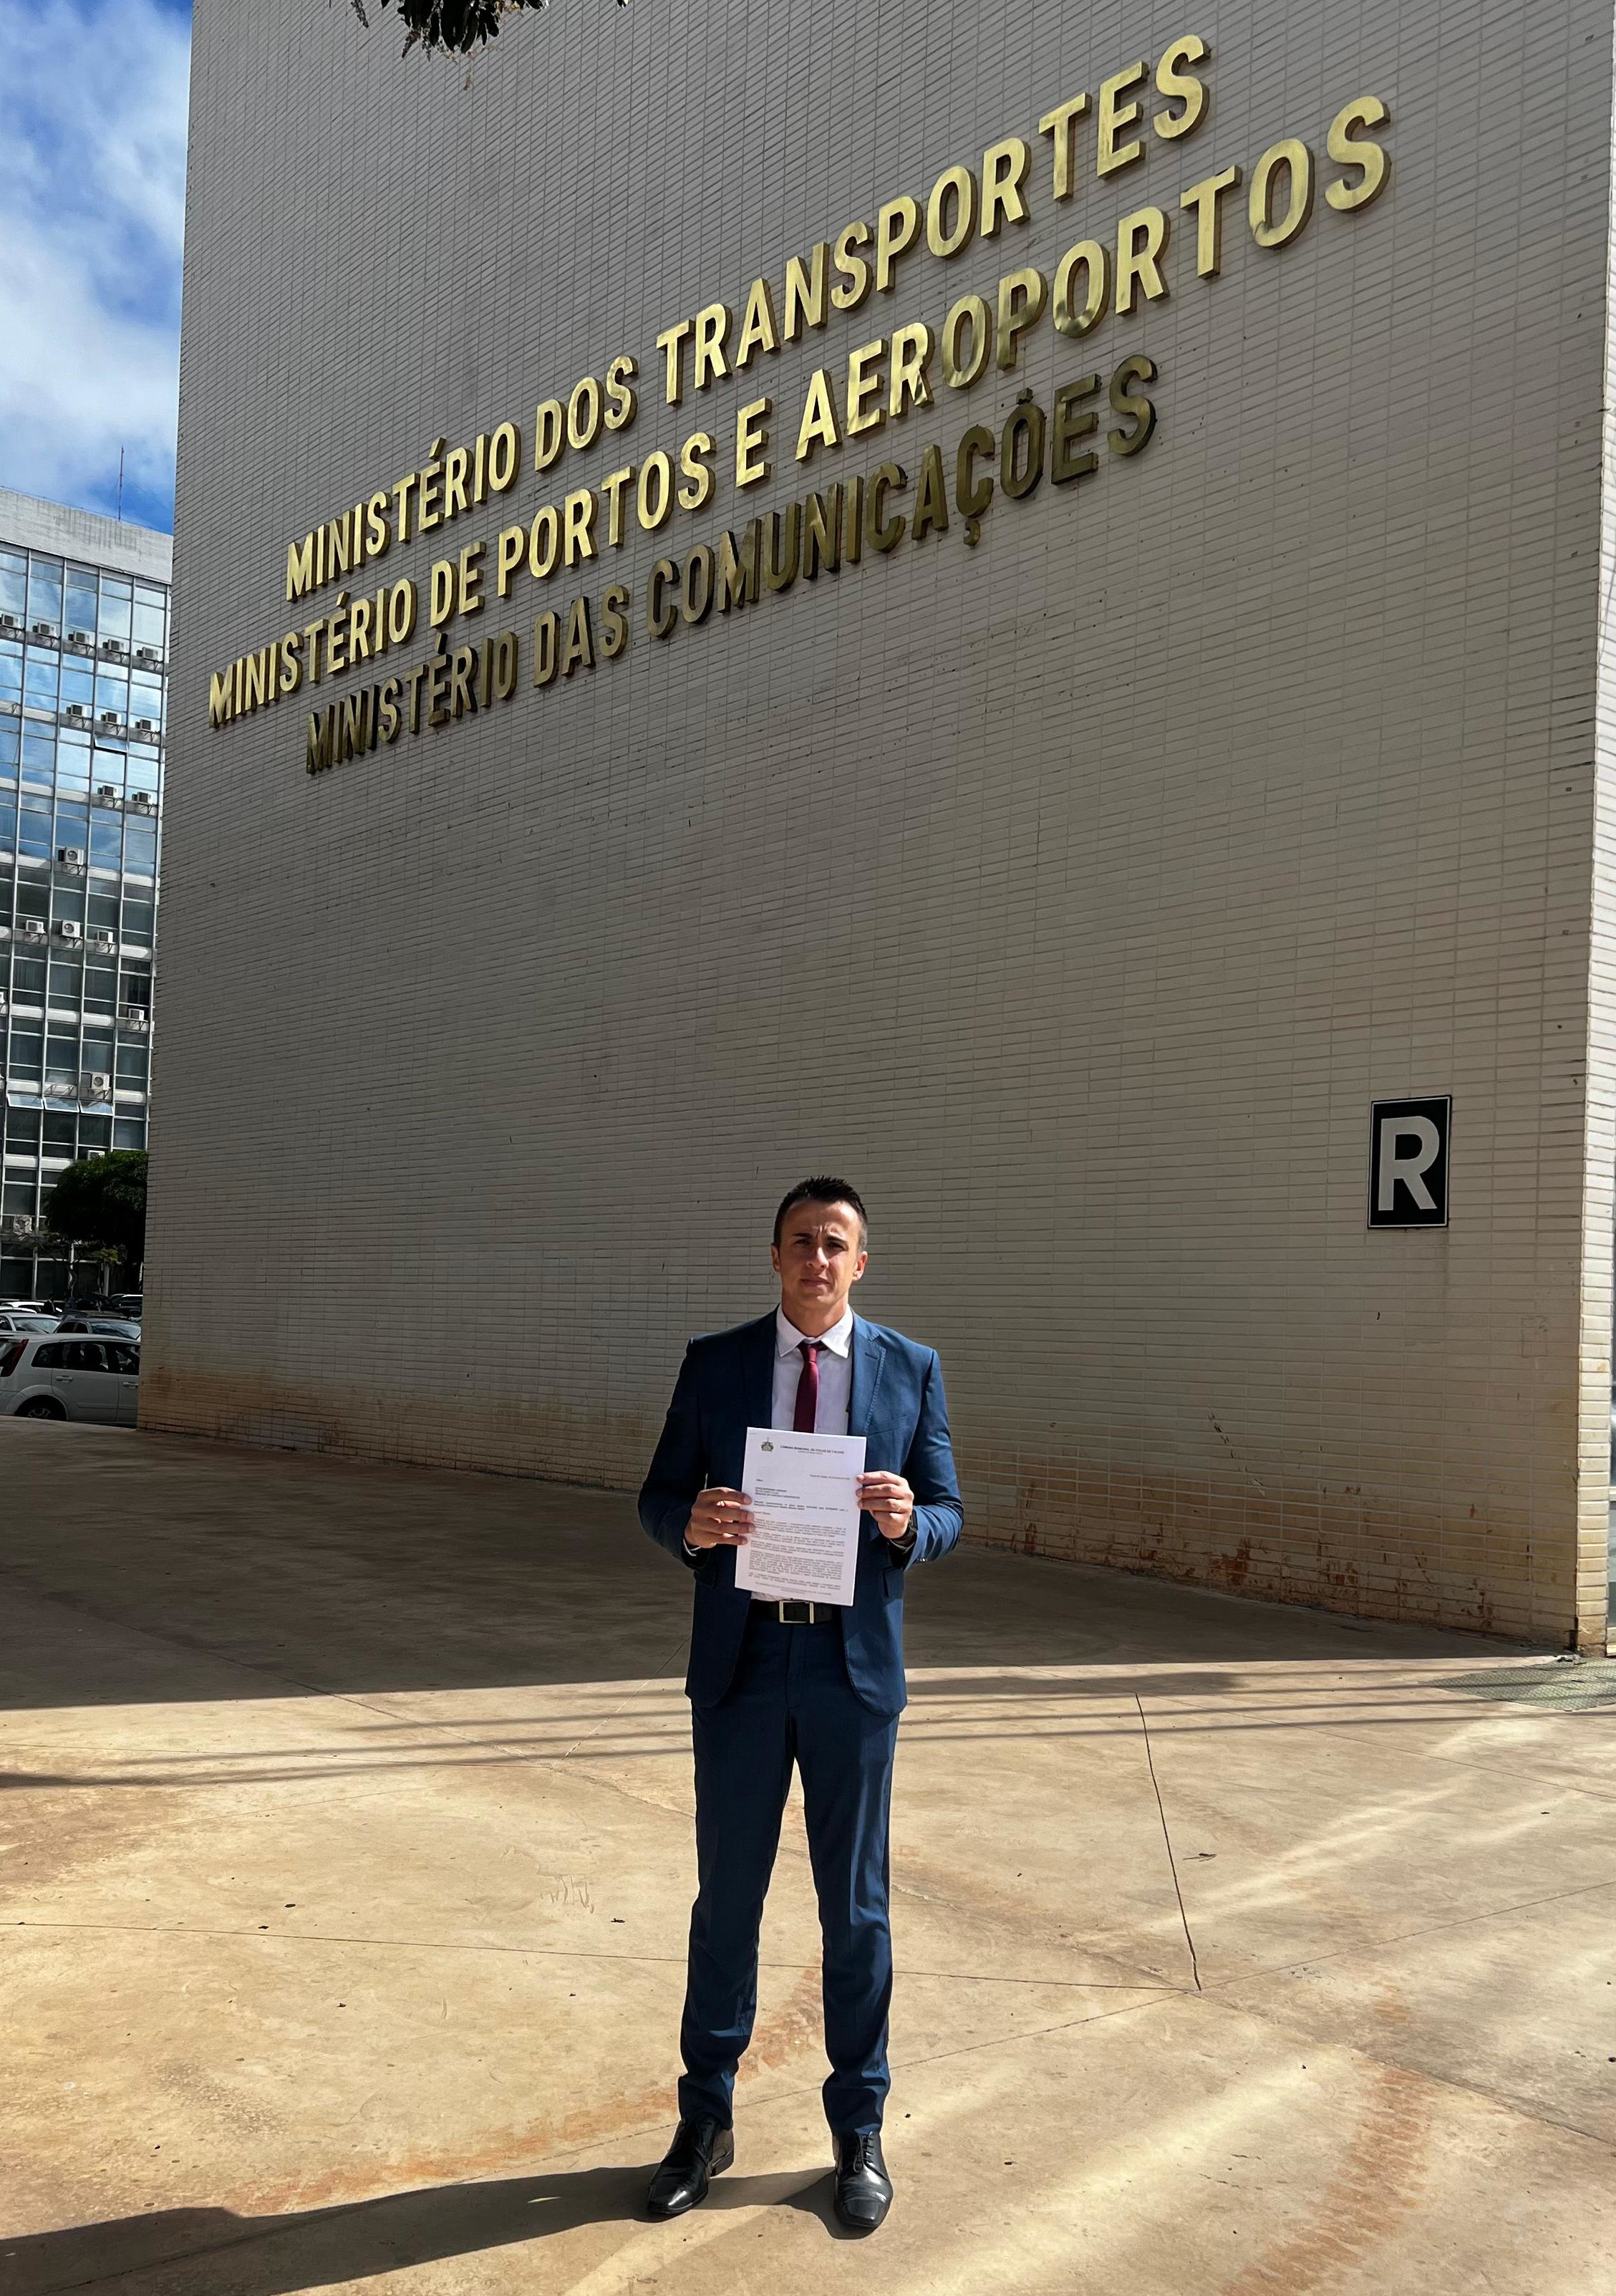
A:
x: 27, y: 1319
x: 43, y: 1377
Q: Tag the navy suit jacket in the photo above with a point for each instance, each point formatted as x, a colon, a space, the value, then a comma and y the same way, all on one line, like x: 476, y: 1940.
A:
x: 726, y: 1385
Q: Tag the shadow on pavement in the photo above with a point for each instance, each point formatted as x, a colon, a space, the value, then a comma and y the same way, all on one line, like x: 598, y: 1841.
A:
x: 141, y: 1568
x: 214, y: 2252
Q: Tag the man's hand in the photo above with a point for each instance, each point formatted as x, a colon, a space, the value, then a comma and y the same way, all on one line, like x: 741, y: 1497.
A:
x: 719, y: 1518
x: 890, y: 1499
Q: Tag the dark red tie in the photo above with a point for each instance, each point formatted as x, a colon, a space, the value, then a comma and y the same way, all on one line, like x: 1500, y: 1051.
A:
x: 808, y: 1389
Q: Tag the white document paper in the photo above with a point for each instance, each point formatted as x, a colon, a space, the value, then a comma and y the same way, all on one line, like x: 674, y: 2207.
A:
x: 804, y: 1490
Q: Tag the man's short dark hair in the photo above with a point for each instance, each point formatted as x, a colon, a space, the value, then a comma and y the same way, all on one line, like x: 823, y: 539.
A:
x: 825, y: 1190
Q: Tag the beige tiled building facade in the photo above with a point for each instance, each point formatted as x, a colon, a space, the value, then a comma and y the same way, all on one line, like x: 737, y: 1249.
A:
x: 1155, y: 715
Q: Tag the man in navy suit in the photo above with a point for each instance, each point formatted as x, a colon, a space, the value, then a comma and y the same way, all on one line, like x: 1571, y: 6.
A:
x: 817, y: 1684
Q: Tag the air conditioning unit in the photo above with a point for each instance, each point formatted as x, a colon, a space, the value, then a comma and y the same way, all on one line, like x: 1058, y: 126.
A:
x: 32, y: 927
x: 106, y: 792
x: 148, y: 727
x: 8, y: 622
x: 111, y: 645
x: 94, y: 1084
x: 109, y: 718
x: 69, y: 930
x: 148, y: 656
x: 85, y: 639
x: 76, y: 714
x: 99, y: 936
x: 42, y: 629
x: 17, y: 1225
x: 71, y: 857
x: 140, y: 801
x: 134, y: 1016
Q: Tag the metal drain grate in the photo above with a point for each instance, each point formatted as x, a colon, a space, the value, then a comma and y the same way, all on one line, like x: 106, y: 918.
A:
x: 1569, y: 1687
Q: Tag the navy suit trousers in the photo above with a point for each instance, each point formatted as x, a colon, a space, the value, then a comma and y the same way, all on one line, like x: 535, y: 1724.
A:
x: 791, y: 1701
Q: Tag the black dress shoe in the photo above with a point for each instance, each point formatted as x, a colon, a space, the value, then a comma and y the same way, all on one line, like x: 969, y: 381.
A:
x: 864, y: 2190
x: 699, y: 2151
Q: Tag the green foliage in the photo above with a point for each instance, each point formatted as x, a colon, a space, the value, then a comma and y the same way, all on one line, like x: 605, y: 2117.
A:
x: 102, y: 1201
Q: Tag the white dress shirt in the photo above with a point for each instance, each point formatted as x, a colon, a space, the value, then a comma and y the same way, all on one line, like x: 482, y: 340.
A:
x: 835, y: 1374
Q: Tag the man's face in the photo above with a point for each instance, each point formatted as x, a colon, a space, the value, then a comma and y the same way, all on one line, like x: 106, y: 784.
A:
x: 818, y: 1261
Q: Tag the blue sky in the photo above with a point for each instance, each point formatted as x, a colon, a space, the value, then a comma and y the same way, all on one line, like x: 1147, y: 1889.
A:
x: 92, y: 185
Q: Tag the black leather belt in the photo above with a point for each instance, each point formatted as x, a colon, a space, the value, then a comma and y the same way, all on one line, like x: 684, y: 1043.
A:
x: 797, y: 1614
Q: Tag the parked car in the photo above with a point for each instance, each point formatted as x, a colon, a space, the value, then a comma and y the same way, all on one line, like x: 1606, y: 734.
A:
x: 123, y: 1303
x: 53, y: 1378
x: 111, y: 1327
x: 27, y: 1306
x: 26, y: 1319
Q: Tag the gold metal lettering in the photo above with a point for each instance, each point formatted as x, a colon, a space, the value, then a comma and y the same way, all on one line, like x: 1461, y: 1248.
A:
x: 1136, y: 405
x: 300, y: 568
x: 818, y: 426
x: 1005, y: 167
x: 1116, y: 115
x: 613, y: 489
x: 752, y: 442
x: 805, y: 290
x: 911, y: 349
x: 1141, y: 238
x: 662, y: 612
x: 713, y: 324
x: 1349, y: 149
x: 1089, y: 262
x: 882, y: 532
x: 583, y: 413
x: 1072, y: 421
x: 509, y: 552
x: 1204, y: 200
x: 757, y: 329
x: 822, y: 534
x: 655, y: 499
x: 670, y: 342
x: 1061, y: 127
x: 1023, y: 296
x: 960, y: 370
x: 549, y: 432
x: 1180, y: 86
x: 578, y: 541
x: 931, y: 496
x: 614, y: 623
x: 696, y: 469
x: 955, y: 185
x: 864, y: 388
x: 622, y: 403
x: 854, y: 274
x: 896, y: 229
x: 1293, y: 156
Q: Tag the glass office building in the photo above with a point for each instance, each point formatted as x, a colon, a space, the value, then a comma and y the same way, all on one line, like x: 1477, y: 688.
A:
x: 83, y: 671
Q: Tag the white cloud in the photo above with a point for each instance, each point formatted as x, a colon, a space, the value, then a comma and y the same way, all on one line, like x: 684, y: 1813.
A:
x: 92, y: 184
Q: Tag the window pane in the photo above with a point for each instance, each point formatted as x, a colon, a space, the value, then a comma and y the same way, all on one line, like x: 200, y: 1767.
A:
x: 115, y: 606
x: 45, y: 591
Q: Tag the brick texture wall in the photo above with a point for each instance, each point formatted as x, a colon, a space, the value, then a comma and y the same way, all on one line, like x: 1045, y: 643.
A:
x: 1075, y: 892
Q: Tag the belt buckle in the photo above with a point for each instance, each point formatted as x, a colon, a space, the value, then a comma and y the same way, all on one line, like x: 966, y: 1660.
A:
x: 809, y: 1616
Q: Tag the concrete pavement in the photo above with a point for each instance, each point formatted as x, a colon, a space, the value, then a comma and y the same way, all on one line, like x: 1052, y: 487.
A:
x: 346, y: 1860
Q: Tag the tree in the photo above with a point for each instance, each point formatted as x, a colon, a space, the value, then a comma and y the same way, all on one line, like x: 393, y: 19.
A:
x: 102, y: 1201
x: 457, y: 24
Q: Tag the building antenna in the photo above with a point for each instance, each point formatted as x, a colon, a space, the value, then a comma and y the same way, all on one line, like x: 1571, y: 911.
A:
x: 121, y: 486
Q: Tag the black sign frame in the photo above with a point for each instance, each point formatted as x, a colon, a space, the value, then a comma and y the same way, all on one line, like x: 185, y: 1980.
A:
x: 1395, y: 1199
